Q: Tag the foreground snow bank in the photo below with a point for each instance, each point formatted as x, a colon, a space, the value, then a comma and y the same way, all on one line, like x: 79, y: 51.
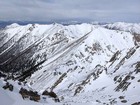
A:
x: 14, y: 98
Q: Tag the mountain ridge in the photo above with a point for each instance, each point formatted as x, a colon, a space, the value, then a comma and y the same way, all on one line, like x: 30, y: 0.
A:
x: 71, y: 60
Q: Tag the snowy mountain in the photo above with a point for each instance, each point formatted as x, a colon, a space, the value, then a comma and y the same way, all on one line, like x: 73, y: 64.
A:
x: 82, y: 64
x: 134, y: 28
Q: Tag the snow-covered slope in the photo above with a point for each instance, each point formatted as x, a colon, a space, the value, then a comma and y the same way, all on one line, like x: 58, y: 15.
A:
x: 134, y: 28
x: 14, y: 98
x: 81, y: 63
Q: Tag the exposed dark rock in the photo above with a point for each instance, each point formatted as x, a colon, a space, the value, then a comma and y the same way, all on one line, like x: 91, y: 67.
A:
x: 8, y: 86
x: 124, y: 101
x: 29, y: 94
x: 2, y: 74
x: 136, y: 103
x: 114, y: 57
x: 123, y: 84
x: 78, y: 90
x: 121, y: 97
x: 112, y: 101
x: 58, y: 81
x: 137, y: 67
x: 19, y: 83
x: 98, y: 101
x: 132, y: 77
x: 139, y: 80
x: 128, y: 55
x: 24, y: 93
x: 51, y: 94
x: 136, y: 37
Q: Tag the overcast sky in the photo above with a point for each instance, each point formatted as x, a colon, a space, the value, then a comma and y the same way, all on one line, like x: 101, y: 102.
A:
x: 70, y: 10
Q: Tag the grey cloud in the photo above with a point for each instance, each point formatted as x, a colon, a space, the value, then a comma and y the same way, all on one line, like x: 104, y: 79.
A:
x: 68, y: 10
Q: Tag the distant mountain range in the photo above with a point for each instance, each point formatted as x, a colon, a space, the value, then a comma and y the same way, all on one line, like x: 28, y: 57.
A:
x: 5, y: 23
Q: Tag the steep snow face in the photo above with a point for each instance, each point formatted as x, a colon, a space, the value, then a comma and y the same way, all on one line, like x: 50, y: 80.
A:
x: 82, y: 56
x: 81, y: 63
x: 134, y: 28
